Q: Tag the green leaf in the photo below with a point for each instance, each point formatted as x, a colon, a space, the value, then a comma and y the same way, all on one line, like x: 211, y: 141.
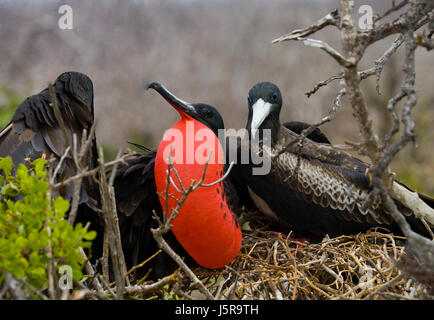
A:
x: 61, y: 206
x: 90, y: 235
x: 39, y: 165
x: 6, y: 165
x: 10, y: 190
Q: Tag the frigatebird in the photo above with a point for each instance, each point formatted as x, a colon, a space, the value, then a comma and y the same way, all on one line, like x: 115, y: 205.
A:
x: 206, y: 231
x: 34, y: 132
x: 313, y: 188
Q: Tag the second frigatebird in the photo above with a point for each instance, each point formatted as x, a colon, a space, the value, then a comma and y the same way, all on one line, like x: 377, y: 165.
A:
x: 315, y: 188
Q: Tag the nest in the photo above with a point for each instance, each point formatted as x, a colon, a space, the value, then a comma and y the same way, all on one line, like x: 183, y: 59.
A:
x: 273, y: 266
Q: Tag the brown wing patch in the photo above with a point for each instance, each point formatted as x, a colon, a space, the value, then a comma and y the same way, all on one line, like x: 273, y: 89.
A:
x: 315, y: 179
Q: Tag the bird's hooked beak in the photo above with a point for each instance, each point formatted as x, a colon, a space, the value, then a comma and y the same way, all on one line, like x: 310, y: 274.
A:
x: 185, y: 109
x: 261, y: 110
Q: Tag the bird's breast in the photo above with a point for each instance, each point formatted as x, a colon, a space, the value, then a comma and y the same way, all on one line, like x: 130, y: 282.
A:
x: 205, y: 226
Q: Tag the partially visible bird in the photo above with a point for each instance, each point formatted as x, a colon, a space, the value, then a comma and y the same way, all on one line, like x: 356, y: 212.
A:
x: 315, y: 189
x: 316, y: 135
x: 34, y: 132
x: 136, y: 197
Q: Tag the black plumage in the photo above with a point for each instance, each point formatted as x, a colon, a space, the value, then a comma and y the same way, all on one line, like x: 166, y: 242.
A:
x: 236, y: 174
x: 315, y: 189
x: 316, y: 135
x: 35, y: 132
x: 136, y: 198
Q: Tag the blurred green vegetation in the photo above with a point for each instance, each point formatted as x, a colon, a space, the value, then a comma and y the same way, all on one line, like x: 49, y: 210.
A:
x: 414, y: 165
x: 134, y: 136
x: 9, y: 101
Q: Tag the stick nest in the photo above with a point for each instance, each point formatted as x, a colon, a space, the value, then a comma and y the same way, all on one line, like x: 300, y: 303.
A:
x: 274, y: 266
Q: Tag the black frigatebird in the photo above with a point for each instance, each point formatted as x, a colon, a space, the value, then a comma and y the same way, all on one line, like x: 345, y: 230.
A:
x: 315, y: 189
x: 206, y: 230
x: 34, y: 131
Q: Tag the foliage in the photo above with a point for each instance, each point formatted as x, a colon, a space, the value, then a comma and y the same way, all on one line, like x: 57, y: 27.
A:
x: 31, y: 223
x: 8, y: 104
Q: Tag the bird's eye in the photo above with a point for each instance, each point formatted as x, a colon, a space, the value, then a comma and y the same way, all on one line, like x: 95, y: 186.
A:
x: 249, y: 100
x: 274, y: 97
x: 208, y: 113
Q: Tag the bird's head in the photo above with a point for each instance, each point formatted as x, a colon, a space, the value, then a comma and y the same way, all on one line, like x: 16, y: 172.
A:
x: 204, y: 113
x: 81, y: 86
x: 265, y: 102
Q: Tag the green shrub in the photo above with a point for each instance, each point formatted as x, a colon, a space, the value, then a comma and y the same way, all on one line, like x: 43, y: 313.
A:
x: 26, y: 215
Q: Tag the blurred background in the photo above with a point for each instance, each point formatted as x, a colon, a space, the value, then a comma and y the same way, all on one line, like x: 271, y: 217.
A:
x: 210, y: 51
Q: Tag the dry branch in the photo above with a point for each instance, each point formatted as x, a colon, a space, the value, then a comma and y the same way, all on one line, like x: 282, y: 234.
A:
x: 381, y: 152
x: 112, y: 228
x: 330, y: 19
x: 168, y: 217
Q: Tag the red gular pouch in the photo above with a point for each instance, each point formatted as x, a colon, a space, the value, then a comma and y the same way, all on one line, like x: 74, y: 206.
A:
x: 205, y: 226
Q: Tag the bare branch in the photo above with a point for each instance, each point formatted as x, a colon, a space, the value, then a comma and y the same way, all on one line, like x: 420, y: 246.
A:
x: 330, y: 19
x: 112, y: 228
x: 323, y: 84
x: 59, y: 164
x: 165, y: 226
x: 150, y: 288
x: 91, y: 272
x: 87, y: 173
x: 349, y: 44
x: 58, y: 115
x: 380, y: 62
x: 394, y: 8
x: 376, y: 69
x: 413, y: 18
x: 330, y: 50
x: 221, y: 179
x: 336, y: 106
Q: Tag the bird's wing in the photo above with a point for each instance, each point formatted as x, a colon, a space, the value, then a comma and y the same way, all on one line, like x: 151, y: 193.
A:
x: 136, y: 193
x: 136, y: 198
x: 320, y: 174
x: 331, y: 178
x: 34, y: 130
x: 236, y: 179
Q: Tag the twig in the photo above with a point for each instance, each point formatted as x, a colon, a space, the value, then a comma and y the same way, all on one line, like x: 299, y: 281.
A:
x: 59, y: 164
x: 87, y: 173
x: 158, y: 236
x: 112, y: 228
x: 345, y: 62
x: 302, y: 136
x: 144, y: 262
x: 383, y: 287
x: 165, y: 226
x: 330, y: 19
x: 150, y: 288
x: 354, y: 44
x: 375, y: 70
x: 76, y: 183
x: 394, y: 8
x: 58, y: 115
x: 91, y: 272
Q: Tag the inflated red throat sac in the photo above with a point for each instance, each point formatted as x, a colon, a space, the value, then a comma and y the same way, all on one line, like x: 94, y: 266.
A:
x: 205, y: 225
